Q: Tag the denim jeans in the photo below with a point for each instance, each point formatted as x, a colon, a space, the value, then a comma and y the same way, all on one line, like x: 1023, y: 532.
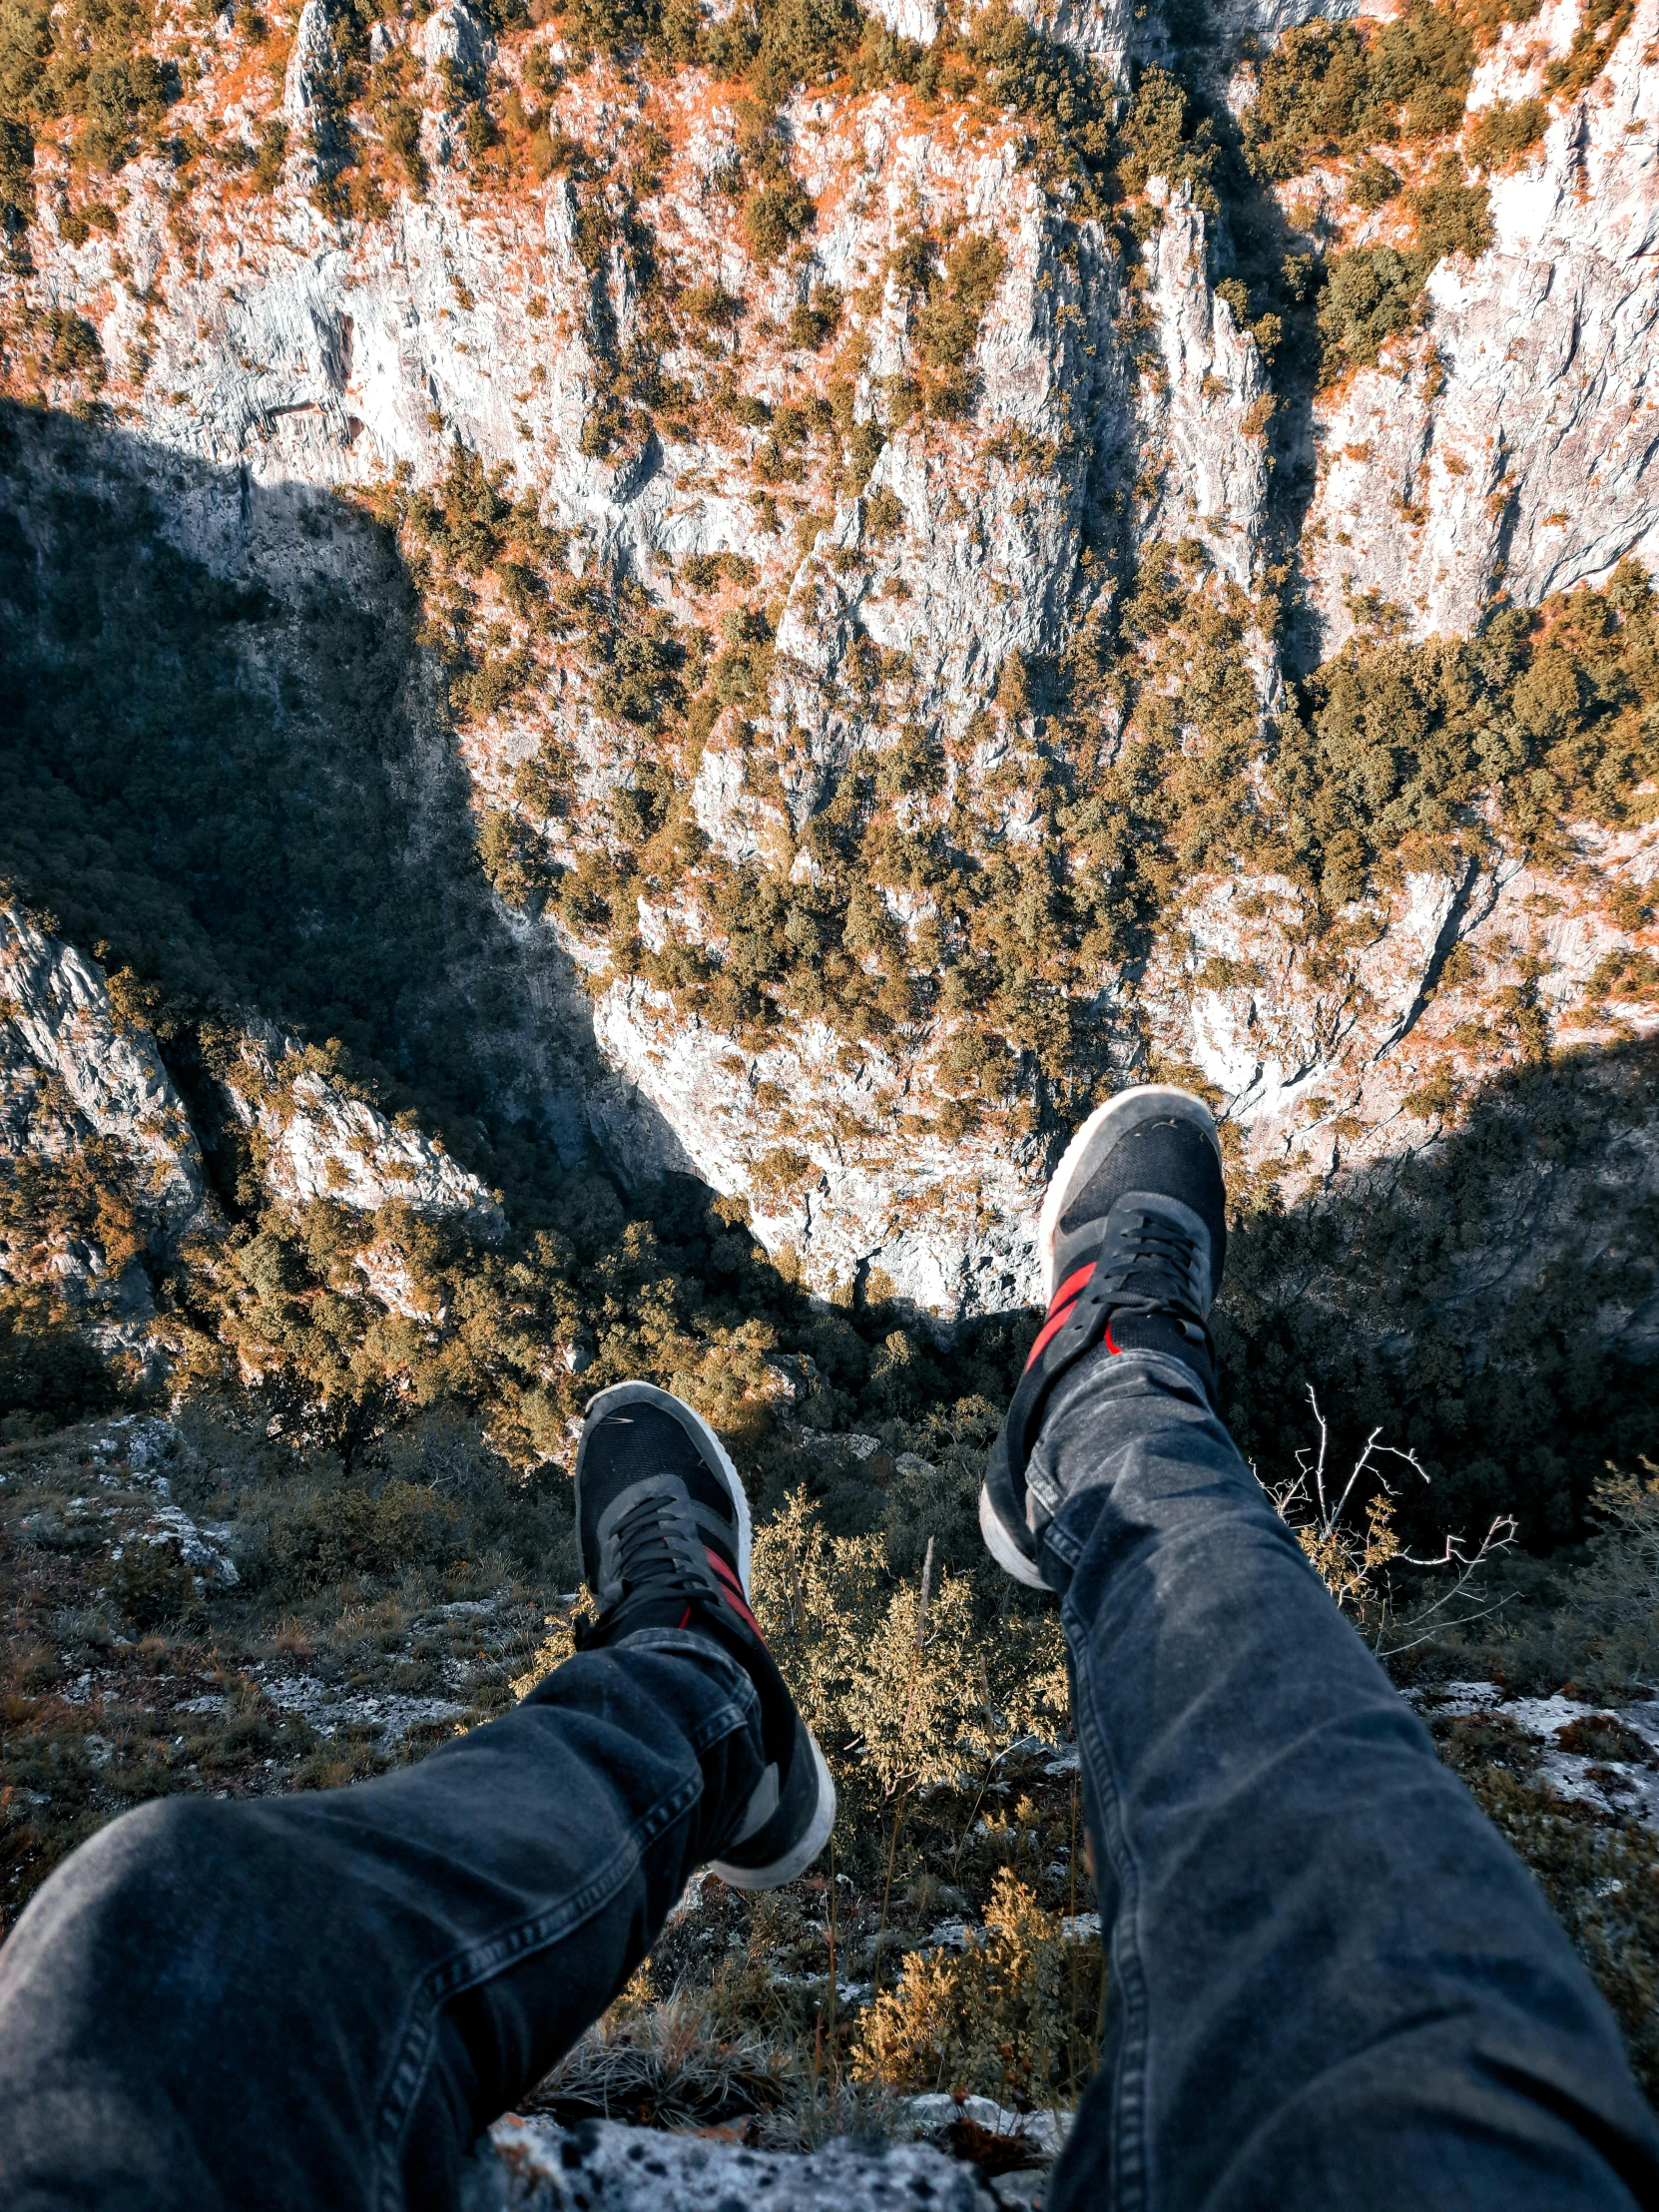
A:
x: 1330, y: 1984
x: 317, y: 2002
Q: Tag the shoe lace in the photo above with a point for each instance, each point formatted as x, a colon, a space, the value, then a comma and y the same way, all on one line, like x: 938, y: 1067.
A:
x: 659, y: 1547
x: 1149, y: 1264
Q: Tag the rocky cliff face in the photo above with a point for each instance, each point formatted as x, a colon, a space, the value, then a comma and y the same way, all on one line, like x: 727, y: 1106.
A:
x: 1509, y: 450
x: 877, y: 531
x: 84, y: 1088
x: 83, y: 1093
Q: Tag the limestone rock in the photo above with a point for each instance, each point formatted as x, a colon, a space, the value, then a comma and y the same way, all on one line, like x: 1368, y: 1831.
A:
x: 601, y: 2166
x: 1102, y: 29
x: 1512, y: 444
x: 917, y: 19
x: 453, y: 33
x: 1202, y: 420
x: 289, y: 355
x: 70, y: 1071
x: 317, y: 1141
x: 1320, y: 1047
x: 310, y: 63
x: 854, y: 1182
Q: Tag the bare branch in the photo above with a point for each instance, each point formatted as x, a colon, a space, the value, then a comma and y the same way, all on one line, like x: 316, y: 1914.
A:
x: 1353, y: 1561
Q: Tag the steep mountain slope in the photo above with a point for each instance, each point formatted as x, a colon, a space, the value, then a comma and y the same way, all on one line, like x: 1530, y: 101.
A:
x: 641, y: 647
x: 854, y: 523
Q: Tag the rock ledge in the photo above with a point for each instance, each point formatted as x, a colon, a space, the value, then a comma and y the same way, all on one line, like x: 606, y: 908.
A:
x: 534, y: 2165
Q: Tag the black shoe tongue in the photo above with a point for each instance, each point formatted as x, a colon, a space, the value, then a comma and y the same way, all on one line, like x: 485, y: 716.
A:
x: 1163, y: 1332
x: 640, y: 1439
x: 1173, y: 1156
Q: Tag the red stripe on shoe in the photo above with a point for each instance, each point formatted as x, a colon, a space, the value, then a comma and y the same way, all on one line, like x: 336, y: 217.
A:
x: 1059, y: 1311
x: 733, y: 1589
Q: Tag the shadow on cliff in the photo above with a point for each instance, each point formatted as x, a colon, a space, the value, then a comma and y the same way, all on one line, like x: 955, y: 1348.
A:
x: 1491, y: 1304
x: 228, y: 768
x: 1255, y: 241
x: 230, y: 773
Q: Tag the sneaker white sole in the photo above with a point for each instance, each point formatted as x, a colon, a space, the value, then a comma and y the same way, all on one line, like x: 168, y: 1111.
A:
x: 647, y: 1393
x: 1003, y: 1546
x: 1104, y: 1127
x: 802, y: 1853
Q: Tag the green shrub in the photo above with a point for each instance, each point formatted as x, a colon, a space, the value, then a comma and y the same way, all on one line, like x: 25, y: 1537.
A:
x: 1310, y: 88
x: 775, y: 216
x: 73, y: 346
x: 17, y: 181
x: 813, y: 324
x: 1373, y: 184
x: 1067, y: 99
x: 399, y: 122
x: 948, y: 323
x: 348, y: 1533
x: 802, y: 42
x: 884, y: 514
x: 1422, y: 61
x: 1163, y: 135
x: 1600, y: 27
x: 1329, y: 87
x: 613, y: 26
x: 1371, y: 294
x: 271, y: 153
x: 513, y: 858
x: 25, y: 48
x: 1502, y: 133
x: 151, y: 1587
x: 1603, y: 1887
x: 1452, y: 216
x: 1010, y: 2018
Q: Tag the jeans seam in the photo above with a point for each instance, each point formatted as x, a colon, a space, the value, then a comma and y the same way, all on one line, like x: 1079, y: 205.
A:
x: 476, y: 1964
x: 1127, y: 2185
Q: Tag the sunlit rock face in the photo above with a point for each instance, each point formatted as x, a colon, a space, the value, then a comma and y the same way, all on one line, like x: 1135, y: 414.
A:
x: 1117, y: 398
x: 1320, y: 1041
x: 316, y: 1140
x: 1510, y: 446
x: 853, y: 1183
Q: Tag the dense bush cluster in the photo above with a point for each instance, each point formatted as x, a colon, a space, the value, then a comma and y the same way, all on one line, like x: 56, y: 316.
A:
x: 1143, y: 771
x: 1553, y: 709
x: 1334, y: 92
x: 90, y: 61
x: 1327, y: 89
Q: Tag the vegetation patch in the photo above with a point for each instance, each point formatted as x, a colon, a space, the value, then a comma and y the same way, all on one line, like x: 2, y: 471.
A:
x: 1328, y: 90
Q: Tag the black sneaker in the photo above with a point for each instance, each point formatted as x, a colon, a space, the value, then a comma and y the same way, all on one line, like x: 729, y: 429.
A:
x: 663, y: 1526
x: 1132, y: 1240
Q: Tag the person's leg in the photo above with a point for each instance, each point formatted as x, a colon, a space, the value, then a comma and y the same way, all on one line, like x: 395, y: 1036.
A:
x: 322, y: 2000
x: 1332, y: 1984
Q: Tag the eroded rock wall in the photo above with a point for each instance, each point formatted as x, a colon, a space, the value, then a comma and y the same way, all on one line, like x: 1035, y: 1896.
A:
x: 260, y: 352
x: 1510, y: 449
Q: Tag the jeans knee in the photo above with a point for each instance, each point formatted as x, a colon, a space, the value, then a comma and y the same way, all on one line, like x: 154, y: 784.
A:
x: 129, y: 1890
